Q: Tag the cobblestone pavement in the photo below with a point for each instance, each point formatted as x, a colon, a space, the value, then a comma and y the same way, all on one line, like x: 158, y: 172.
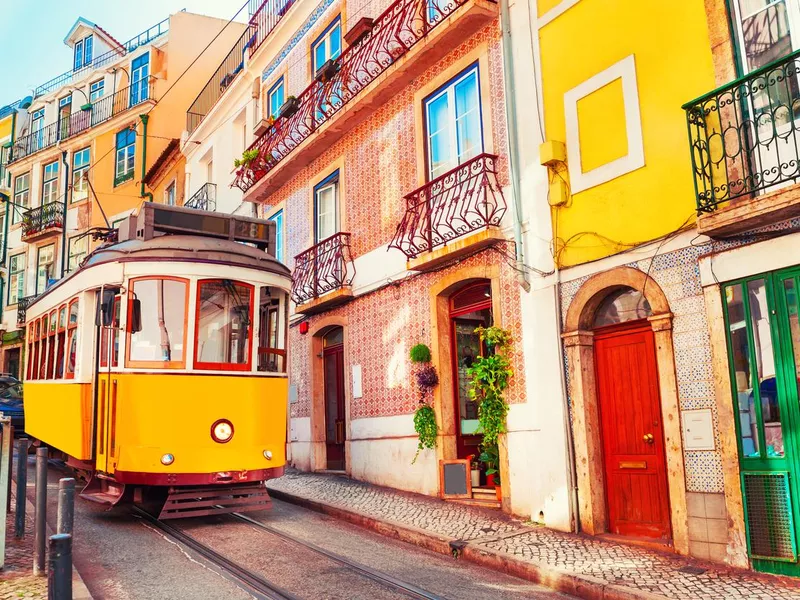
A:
x: 16, y: 579
x: 668, y: 575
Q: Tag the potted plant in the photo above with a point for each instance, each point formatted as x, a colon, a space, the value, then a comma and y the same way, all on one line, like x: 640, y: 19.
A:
x: 248, y: 156
x: 289, y: 107
x: 490, y: 457
x: 424, y: 417
x: 86, y: 107
x: 475, y: 471
x: 327, y: 70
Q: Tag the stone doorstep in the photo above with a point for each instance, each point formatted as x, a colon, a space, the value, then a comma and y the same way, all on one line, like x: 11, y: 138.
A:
x: 579, y: 585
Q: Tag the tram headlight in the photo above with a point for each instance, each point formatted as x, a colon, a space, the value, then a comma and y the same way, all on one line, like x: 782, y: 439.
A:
x: 222, y: 431
x: 167, y: 459
x: 268, y: 454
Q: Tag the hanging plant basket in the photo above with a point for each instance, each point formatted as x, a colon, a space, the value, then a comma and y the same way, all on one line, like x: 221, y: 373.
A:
x: 86, y: 107
x: 327, y: 71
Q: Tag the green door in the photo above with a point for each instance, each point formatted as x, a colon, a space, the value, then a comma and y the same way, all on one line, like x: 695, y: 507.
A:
x: 764, y: 354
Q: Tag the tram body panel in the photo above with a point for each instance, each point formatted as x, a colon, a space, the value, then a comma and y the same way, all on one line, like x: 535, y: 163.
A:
x: 61, y: 415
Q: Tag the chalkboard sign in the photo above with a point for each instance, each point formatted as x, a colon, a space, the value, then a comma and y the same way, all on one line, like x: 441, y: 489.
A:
x: 454, y: 479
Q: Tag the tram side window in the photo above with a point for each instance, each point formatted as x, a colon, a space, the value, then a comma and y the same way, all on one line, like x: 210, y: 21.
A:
x: 271, y: 332
x: 33, y: 348
x: 41, y: 365
x: 224, y: 325
x: 72, y: 338
x: 51, y: 346
x: 162, y: 339
x: 111, y: 334
x: 61, y: 341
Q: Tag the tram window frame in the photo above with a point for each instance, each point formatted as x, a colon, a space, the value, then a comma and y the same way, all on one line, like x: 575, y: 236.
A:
x: 223, y: 366
x: 265, y: 320
x: 41, y: 367
x: 72, y: 339
x: 33, y: 331
x: 156, y: 364
x: 109, y: 342
x: 61, y: 342
x: 52, y: 338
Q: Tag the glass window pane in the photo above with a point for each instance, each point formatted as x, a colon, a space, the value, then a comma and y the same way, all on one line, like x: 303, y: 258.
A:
x: 336, y: 41
x: 223, y: 323
x: 621, y: 306
x: 742, y: 375
x: 163, y: 306
x: 793, y: 306
x: 326, y: 212
x: 271, y: 341
x: 319, y: 55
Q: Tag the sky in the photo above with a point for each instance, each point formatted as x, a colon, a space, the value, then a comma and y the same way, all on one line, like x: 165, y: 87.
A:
x: 32, y: 33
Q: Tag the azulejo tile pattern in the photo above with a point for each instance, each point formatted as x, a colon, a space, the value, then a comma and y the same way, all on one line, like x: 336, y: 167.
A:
x: 631, y: 567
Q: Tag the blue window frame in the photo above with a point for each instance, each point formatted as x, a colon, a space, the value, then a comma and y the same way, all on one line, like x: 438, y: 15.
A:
x: 326, y: 207
x: 140, y: 78
x: 453, y: 126
x: 328, y: 44
x: 126, y: 152
x: 276, y: 98
x: 277, y: 218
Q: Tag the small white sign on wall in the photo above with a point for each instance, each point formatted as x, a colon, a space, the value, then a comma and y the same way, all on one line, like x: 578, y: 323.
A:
x: 698, y: 429
x: 357, y: 392
x: 292, y: 393
x: 292, y: 431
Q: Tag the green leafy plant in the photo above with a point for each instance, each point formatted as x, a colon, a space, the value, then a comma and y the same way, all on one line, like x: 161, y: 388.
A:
x: 420, y: 354
x: 490, y: 456
x: 489, y: 377
x: 248, y: 156
x: 426, y: 428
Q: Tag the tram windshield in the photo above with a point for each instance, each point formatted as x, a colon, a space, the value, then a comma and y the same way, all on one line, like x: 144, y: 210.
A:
x: 162, y: 339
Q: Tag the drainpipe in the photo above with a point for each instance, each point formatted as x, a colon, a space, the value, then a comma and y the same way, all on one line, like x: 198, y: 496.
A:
x: 145, y: 119
x: 513, y: 142
x: 67, y: 196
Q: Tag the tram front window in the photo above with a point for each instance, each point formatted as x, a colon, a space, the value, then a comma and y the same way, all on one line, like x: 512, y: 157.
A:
x: 272, y: 332
x: 224, y: 324
x: 161, y: 340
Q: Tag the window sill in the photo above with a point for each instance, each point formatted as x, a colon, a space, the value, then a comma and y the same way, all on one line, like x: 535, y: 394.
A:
x: 119, y: 181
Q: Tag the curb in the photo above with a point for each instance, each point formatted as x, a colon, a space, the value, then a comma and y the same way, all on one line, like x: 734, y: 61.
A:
x: 581, y: 586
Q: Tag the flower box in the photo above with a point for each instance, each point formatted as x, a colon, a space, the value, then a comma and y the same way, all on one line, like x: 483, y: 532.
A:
x: 289, y: 107
x: 362, y: 27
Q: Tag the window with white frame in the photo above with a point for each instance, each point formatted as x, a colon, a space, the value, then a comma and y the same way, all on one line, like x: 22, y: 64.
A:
x: 80, y: 175
x: 78, y: 249
x: 326, y: 207
x: 328, y: 45
x: 275, y: 98
x: 45, y: 266
x: 96, y: 90
x: 50, y: 183
x: 83, y: 51
x: 126, y: 153
x: 16, y: 277
x: 169, y: 194
x: 277, y: 218
x: 454, y: 133
x: 22, y: 197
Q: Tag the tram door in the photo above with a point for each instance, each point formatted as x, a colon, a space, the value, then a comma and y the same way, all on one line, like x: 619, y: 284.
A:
x: 107, y: 394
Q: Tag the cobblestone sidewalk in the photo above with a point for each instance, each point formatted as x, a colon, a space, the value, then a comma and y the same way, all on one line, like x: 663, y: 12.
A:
x: 16, y: 579
x: 593, y: 561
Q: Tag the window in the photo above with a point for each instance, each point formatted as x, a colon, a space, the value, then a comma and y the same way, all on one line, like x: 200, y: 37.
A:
x: 224, y: 325
x: 64, y: 112
x: 80, y: 175
x: 326, y: 209
x: 83, y: 52
x: 78, y: 62
x: 45, y: 266
x: 50, y: 183
x: 277, y: 218
x: 2, y: 228
x: 453, y: 123
x: 61, y: 342
x: 275, y: 98
x: 72, y: 339
x: 111, y: 334
x: 328, y: 45
x: 96, y: 90
x: 78, y: 249
x: 126, y: 153
x: 140, y: 78
x: 48, y: 367
x: 22, y: 197
x: 169, y: 194
x: 162, y: 340
x: 271, y: 332
x: 16, y: 278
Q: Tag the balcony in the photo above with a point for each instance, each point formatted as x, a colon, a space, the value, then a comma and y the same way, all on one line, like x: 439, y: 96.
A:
x: 456, y: 213
x: 22, y: 307
x: 203, y: 199
x: 745, y: 148
x: 408, y: 38
x: 261, y: 24
x: 42, y: 221
x: 65, y: 128
x: 323, y: 274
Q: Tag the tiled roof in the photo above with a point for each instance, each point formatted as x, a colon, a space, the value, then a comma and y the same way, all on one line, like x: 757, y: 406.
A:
x: 172, y: 148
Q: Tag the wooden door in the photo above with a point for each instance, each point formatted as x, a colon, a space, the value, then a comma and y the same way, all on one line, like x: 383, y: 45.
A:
x: 633, y: 440
x: 333, y: 359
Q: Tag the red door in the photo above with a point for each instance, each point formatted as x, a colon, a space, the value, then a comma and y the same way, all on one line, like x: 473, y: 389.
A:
x: 633, y: 441
x: 333, y: 358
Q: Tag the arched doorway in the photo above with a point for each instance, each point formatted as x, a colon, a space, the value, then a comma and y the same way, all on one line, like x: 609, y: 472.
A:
x: 333, y: 386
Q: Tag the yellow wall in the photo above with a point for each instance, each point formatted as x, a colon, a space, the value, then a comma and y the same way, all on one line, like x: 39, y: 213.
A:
x: 5, y: 128
x: 670, y: 43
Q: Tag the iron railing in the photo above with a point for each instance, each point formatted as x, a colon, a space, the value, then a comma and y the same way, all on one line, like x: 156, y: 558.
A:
x: 459, y: 202
x: 204, y: 199
x: 323, y: 268
x: 260, y: 26
x: 40, y: 219
x: 132, y: 44
x: 744, y: 136
x: 22, y: 306
x: 101, y: 111
x: 404, y: 24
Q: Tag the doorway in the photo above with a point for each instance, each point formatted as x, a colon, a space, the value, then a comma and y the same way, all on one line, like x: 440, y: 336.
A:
x: 12, y: 362
x: 333, y: 385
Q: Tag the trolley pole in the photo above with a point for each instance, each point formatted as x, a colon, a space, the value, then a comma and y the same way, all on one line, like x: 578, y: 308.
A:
x: 66, y: 505
x: 40, y: 522
x: 22, y: 487
x: 59, y: 578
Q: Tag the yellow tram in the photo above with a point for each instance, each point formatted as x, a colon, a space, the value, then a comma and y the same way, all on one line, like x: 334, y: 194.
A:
x: 158, y: 367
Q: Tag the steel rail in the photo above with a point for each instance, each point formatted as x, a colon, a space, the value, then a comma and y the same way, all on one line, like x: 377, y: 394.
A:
x: 241, y: 576
x: 377, y: 576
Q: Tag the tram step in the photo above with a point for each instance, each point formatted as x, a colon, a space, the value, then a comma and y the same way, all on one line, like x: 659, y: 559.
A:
x: 214, y: 500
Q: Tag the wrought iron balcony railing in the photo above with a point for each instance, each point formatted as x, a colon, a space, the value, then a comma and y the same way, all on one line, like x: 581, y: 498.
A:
x: 36, y: 221
x: 745, y: 135
x: 204, y: 199
x: 323, y: 268
x: 260, y: 26
x: 401, y: 27
x: 132, y: 44
x: 459, y: 202
x: 22, y: 307
x: 101, y: 111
